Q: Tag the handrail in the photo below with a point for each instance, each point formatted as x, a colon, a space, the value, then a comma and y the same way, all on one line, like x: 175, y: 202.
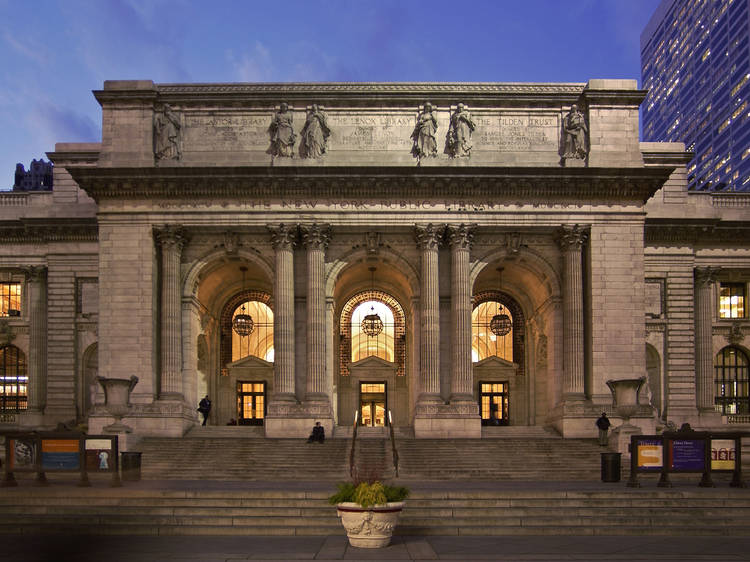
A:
x: 393, y: 443
x: 354, y: 440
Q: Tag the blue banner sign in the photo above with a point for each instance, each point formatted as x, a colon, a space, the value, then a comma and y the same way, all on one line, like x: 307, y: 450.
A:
x: 687, y: 455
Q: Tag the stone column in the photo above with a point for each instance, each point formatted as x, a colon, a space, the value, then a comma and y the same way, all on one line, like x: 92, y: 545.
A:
x: 571, y: 239
x: 315, y: 238
x: 171, y: 240
x: 283, y: 238
x: 428, y: 239
x: 704, y: 361
x: 460, y: 238
x: 37, y: 385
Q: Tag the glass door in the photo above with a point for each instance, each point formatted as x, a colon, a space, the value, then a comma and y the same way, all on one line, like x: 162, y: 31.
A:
x: 493, y: 403
x: 251, y: 402
x: 372, y: 404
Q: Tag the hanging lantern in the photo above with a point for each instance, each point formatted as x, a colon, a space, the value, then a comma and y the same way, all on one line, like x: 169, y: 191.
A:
x: 501, y: 324
x: 242, y: 323
x: 372, y: 325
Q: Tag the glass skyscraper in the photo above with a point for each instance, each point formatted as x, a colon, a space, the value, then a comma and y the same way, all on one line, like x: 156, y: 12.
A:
x: 695, y: 62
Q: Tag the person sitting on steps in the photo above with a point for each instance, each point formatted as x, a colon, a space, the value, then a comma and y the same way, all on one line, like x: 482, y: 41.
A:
x: 318, y: 434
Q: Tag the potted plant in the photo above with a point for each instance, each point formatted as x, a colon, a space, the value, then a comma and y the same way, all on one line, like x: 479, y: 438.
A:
x: 369, y: 511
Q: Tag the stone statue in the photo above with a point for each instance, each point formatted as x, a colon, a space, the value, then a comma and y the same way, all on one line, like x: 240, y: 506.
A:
x: 282, y: 134
x: 574, y: 134
x: 458, y: 140
x: 315, y: 134
x: 167, y: 134
x: 423, y: 136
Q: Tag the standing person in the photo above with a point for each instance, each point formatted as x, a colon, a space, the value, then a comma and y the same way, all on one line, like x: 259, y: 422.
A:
x: 204, y: 407
x: 318, y: 434
x: 603, y: 424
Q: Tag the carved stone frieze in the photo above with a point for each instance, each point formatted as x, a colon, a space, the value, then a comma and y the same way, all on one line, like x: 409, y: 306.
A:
x: 457, y: 410
x: 24, y: 233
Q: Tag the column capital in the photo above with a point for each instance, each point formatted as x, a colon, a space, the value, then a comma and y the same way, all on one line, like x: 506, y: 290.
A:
x: 316, y: 236
x: 171, y: 236
x: 705, y: 276
x: 429, y: 236
x: 461, y: 236
x: 283, y: 236
x: 571, y: 237
x: 35, y: 273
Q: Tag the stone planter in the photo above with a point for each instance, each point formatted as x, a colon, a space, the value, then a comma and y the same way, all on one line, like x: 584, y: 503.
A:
x: 625, y: 404
x: 117, y: 401
x: 370, y: 527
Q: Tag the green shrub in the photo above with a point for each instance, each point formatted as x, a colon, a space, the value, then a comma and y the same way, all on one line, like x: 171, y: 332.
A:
x: 367, y: 494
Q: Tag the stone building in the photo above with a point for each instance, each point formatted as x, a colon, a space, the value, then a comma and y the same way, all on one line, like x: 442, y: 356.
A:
x: 433, y: 256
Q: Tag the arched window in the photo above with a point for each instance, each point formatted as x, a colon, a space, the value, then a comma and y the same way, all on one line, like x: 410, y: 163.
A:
x: 381, y: 344
x: 259, y: 343
x: 484, y: 342
x: 14, y: 379
x: 731, y: 382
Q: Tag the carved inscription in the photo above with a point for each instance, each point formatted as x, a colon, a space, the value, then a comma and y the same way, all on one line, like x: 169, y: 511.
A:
x: 371, y: 132
x: 517, y: 132
x: 226, y: 132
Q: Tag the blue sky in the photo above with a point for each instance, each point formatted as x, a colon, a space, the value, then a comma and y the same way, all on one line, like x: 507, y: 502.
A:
x: 54, y: 52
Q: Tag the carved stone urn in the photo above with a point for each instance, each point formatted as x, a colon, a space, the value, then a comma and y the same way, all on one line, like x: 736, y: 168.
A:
x: 625, y: 397
x: 369, y: 527
x: 117, y: 401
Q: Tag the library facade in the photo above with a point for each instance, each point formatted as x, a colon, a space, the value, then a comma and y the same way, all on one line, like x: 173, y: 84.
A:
x: 434, y: 257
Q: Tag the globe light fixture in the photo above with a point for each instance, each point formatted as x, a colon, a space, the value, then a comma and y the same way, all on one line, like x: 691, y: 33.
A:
x: 242, y: 323
x: 371, y: 324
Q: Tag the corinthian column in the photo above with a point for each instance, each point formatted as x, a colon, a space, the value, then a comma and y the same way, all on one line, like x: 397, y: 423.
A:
x: 37, y: 386
x: 704, y: 368
x: 461, y: 374
x: 428, y: 239
x: 571, y: 239
x: 315, y: 238
x: 283, y: 238
x: 171, y: 239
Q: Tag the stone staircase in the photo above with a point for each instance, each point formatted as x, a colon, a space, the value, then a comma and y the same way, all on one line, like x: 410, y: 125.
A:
x: 209, y: 456
x: 512, y: 458
x: 527, y: 510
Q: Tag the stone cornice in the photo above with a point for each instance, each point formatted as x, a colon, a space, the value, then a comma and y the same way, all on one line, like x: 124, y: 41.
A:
x: 339, y: 93
x: 697, y: 232
x: 38, y: 231
x: 539, y: 186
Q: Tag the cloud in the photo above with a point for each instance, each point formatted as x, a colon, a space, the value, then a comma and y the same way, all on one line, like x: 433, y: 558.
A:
x: 33, y: 52
x: 254, y: 66
x: 58, y: 124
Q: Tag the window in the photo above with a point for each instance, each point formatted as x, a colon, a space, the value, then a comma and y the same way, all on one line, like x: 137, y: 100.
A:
x: 484, y: 343
x: 731, y: 382
x: 380, y: 345
x: 259, y: 343
x: 13, y: 379
x: 10, y: 299
x: 732, y: 300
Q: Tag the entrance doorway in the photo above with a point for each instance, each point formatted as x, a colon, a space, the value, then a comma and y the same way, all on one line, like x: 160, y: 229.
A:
x: 372, y: 404
x: 251, y: 402
x: 493, y: 403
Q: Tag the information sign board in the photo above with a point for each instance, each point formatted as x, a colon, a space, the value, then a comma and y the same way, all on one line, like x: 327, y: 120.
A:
x: 23, y: 453
x: 687, y: 455
x: 61, y: 454
x: 723, y: 454
x: 99, y: 455
x: 649, y: 454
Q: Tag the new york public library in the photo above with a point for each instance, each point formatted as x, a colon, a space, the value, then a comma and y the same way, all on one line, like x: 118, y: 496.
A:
x: 450, y: 261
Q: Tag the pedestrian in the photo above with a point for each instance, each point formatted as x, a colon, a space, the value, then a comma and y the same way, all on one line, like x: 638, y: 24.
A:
x: 318, y: 434
x: 204, y: 407
x: 603, y: 424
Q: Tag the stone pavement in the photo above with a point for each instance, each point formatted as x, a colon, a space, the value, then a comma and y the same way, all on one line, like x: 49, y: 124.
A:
x: 235, y: 549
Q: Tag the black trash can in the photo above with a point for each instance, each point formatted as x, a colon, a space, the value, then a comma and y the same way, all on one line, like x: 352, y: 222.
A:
x: 611, y: 467
x: 130, y: 464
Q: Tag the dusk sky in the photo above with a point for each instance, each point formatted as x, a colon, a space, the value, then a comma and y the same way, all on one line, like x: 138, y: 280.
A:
x: 54, y: 52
